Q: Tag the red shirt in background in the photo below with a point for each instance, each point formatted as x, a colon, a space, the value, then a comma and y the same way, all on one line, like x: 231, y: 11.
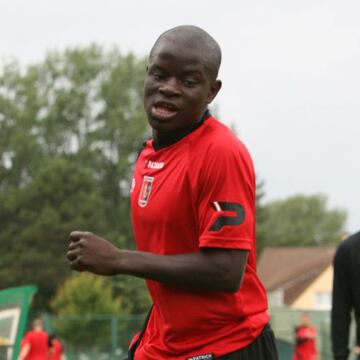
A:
x: 56, y: 350
x: 305, y: 347
x: 38, y: 341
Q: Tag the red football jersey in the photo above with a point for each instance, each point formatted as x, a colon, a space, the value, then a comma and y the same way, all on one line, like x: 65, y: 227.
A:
x: 305, y: 347
x: 196, y: 193
x: 56, y: 350
x: 38, y: 341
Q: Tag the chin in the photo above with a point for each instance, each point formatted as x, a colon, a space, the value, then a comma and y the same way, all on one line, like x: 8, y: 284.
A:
x: 160, y: 125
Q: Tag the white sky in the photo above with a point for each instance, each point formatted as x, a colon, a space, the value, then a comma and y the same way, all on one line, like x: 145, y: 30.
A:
x: 291, y: 74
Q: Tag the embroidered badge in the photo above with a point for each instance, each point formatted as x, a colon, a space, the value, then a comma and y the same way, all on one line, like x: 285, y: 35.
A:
x: 145, y: 191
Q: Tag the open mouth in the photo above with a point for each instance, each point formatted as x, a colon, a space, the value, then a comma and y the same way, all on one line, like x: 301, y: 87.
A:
x: 164, y: 110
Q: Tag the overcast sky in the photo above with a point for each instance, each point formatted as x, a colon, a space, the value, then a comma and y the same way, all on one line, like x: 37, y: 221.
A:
x: 290, y: 71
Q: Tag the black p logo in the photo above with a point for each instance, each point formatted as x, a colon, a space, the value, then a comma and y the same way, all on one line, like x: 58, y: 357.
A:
x: 227, y: 220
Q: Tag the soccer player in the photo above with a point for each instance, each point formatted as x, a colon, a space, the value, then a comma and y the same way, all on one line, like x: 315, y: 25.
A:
x: 193, y: 214
x: 35, y: 343
x: 305, y: 340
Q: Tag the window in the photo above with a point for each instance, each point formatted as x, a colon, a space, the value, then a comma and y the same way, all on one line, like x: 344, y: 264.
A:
x: 322, y: 300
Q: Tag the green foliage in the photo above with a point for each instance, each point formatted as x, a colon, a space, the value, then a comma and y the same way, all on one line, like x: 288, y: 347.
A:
x: 136, y: 298
x: 70, y: 130
x: 260, y: 215
x: 301, y: 220
x: 80, y: 298
x: 37, y: 219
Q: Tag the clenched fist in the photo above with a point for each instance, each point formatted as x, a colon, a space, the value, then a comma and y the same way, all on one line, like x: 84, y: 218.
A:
x: 89, y: 252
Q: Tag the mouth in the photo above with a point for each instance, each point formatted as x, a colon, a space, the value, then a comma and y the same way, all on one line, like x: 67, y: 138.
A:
x: 164, y: 110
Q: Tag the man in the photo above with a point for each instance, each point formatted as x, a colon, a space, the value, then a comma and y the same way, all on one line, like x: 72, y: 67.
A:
x: 35, y: 343
x: 193, y: 213
x: 305, y: 339
x: 346, y: 297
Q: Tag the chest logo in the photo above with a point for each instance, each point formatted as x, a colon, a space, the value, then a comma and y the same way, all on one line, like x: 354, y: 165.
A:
x: 145, y: 191
x: 155, y: 165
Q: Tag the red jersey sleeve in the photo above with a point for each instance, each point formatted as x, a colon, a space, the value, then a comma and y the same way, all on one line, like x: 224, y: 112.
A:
x: 226, y: 201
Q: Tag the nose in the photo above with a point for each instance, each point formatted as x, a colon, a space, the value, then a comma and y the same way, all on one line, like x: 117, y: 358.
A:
x: 170, y: 87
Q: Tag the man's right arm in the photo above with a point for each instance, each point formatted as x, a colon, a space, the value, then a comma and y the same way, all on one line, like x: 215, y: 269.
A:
x: 24, y: 351
x: 341, y: 305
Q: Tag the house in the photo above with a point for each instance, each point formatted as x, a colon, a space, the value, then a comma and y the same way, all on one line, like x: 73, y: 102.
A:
x: 299, y: 277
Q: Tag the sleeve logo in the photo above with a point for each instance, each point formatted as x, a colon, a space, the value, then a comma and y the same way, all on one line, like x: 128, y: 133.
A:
x: 222, y: 220
x: 145, y: 191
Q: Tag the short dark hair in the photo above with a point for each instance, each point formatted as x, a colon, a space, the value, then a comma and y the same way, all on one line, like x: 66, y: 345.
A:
x: 204, y: 40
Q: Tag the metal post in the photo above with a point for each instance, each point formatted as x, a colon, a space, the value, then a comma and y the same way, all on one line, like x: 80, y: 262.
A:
x: 114, y: 336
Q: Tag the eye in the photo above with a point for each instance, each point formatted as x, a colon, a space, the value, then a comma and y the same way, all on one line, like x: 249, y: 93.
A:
x: 189, y: 82
x: 158, y: 75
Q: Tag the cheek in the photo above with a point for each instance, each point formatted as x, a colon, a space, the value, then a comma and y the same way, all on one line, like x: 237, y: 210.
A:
x: 197, y: 99
x: 149, y: 87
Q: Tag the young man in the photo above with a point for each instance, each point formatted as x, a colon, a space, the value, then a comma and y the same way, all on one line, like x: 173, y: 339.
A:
x: 193, y: 213
x: 35, y: 343
x: 305, y: 340
x: 346, y: 297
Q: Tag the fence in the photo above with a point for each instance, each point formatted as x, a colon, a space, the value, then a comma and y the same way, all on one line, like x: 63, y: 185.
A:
x: 95, y: 337
x: 106, y: 337
x: 284, y: 321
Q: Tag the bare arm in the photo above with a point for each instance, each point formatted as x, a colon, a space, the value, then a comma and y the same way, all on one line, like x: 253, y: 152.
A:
x: 24, y: 351
x: 207, y: 270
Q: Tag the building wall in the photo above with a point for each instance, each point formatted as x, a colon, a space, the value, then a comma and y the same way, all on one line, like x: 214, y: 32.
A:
x: 318, y: 295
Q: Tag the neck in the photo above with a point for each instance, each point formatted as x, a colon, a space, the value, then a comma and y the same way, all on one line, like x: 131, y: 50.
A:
x: 168, y: 138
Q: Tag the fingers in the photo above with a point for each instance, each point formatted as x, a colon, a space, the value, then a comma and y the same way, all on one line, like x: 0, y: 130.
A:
x: 72, y: 254
x: 74, y: 250
x: 75, y: 257
x: 77, y: 235
x: 76, y: 264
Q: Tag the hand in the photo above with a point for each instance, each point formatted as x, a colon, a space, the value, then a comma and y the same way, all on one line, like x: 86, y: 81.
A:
x: 89, y: 252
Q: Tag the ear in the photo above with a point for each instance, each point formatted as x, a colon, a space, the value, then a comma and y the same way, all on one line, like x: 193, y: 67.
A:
x: 214, y: 89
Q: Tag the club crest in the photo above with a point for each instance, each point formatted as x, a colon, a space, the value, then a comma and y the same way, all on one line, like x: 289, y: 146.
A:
x: 145, y: 191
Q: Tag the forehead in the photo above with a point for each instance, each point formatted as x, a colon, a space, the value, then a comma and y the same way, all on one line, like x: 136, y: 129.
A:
x: 181, y: 54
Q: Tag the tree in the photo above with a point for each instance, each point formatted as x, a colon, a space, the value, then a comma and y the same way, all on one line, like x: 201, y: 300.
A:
x: 83, y: 305
x: 70, y: 130
x: 260, y: 215
x: 301, y: 220
x: 36, y: 220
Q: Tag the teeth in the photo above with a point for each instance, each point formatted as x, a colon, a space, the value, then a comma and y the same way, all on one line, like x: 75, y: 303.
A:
x: 163, y: 110
x: 166, y: 106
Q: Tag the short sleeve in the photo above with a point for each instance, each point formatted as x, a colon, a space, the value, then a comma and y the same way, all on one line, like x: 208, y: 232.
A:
x: 226, y: 201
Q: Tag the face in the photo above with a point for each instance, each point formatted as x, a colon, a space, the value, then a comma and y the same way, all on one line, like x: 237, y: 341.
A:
x: 304, y: 319
x: 177, y: 87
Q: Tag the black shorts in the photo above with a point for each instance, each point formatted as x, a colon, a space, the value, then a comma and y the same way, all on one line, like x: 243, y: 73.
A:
x: 262, y: 348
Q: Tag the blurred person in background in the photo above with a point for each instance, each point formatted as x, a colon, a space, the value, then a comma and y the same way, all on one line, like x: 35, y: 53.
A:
x: 35, y: 343
x: 346, y: 297
x: 305, y: 339
x: 56, y: 350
